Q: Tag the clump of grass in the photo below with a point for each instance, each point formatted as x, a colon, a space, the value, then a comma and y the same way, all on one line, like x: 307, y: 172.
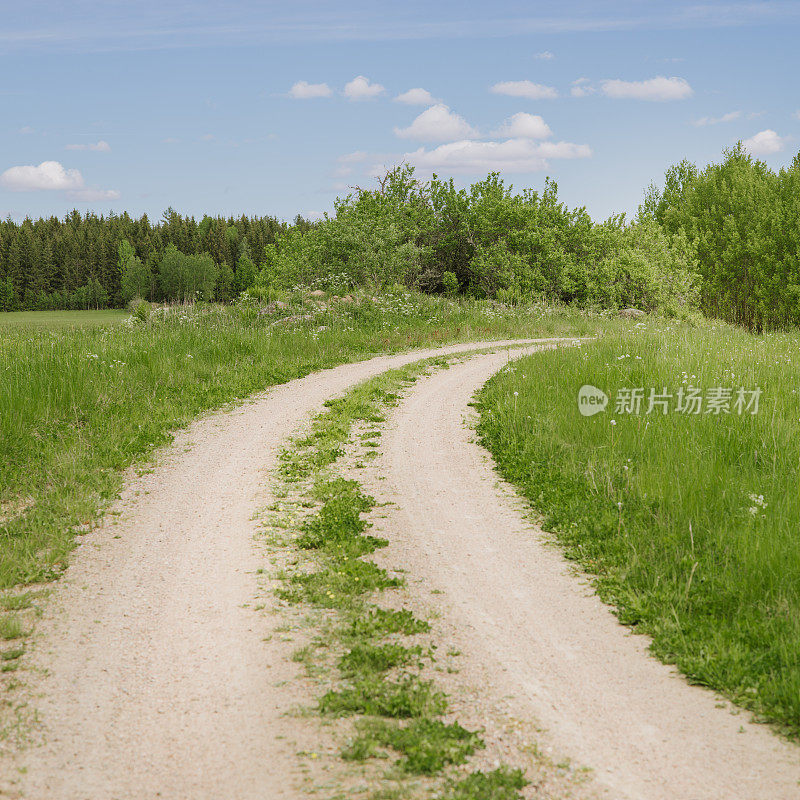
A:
x: 427, y: 745
x: 337, y: 486
x: 337, y: 585
x: 375, y: 696
x: 338, y: 527
x: 16, y: 602
x: 11, y: 627
x: 366, y: 659
x: 379, y: 622
x: 12, y: 655
x: 500, y: 784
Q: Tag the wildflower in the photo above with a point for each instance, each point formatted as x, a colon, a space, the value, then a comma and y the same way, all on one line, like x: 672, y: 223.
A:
x: 613, y: 422
x: 759, y: 504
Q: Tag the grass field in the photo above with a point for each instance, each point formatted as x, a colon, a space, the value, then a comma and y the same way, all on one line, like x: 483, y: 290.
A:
x: 689, y: 521
x: 79, y: 405
x: 60, y: 319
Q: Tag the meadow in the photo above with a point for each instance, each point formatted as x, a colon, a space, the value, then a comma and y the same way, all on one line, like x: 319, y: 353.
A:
x: 80, y: 404
x: 688, y: 521
x: 61, y: 319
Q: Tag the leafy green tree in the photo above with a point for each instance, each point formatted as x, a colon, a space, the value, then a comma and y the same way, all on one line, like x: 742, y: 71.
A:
x: 486, y: 241
x: 742, y: 220
x: 186, y: 278
x: 225, y: 286
x: 136, y: 278
x: 245, y: 268
x: 8, y: 295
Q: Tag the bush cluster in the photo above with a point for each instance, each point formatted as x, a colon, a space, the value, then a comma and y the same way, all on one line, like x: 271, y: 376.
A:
x: 484, y: 242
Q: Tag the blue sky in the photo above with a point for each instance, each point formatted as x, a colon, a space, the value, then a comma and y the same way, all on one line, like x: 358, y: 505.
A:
x: 244, y: 107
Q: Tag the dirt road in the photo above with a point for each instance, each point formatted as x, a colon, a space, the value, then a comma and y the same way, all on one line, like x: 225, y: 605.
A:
x: 159, y: 680
x: 154, y: 676
x: 554, y: 651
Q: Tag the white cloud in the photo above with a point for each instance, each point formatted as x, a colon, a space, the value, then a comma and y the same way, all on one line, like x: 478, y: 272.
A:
x: 26, y: 130
x: 513, y: 155
x: 48, y: 176
x: 524, y: 126
x: 729, y: 117
x: 416, y: 97
x: 303, y: 90
x: 658, y: 89
x: 545, y: 55
x: 582, y: 88
x: 98, y: 147
x: 170, y: 140
x: 437, y: 124
x: 93, y: 195
x: 360, y: 88
x: 765, y: 143
x: 527, y: 89
x: 796, y: 114
x: 51, y: 176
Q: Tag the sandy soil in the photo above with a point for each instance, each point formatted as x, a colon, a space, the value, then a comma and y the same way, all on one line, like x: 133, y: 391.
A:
x: 553, y: 652
x: 151, y: 673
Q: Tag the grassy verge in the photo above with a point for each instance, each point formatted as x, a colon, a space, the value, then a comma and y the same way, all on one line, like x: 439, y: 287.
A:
x: 78, y: 406
x: 689, y: 521
x: 378, y: 655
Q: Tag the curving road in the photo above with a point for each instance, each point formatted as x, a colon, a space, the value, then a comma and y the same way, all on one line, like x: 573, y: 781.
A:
x: 157, y: 679
x: 151, y: 675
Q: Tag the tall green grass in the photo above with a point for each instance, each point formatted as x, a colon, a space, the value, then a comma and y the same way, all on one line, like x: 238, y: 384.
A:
x: 77, y: 406
x: 690, y: 523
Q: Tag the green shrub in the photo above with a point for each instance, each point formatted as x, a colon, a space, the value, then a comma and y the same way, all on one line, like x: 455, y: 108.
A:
x: 484, y: 241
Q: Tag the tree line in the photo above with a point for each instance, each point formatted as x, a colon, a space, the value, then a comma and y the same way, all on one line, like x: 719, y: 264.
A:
x: 725, y: 239
x: 76, y: 262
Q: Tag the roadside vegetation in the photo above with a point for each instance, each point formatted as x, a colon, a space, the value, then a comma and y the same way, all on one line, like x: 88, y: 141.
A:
x: 78, y: 406
x: 485, y: 242
x: 688, y: 521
